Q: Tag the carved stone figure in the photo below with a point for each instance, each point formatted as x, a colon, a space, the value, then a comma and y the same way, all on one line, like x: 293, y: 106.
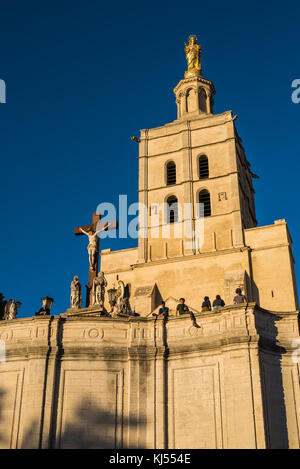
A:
x: 76, y: 296
x: 92, y: 246
x: 193, y: 57
x: 122, y: 297
x: 11, y: 309
x: 98, y: 289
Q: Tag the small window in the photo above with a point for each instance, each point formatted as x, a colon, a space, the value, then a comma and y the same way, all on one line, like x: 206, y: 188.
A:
x: 203, y: 167
x: 172, y: 209
x: 204, y: 198
x: 171, y: 173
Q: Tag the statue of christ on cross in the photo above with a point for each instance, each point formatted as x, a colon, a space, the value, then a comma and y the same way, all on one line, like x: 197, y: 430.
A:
x: 92, y: 246
x: 92, y: 231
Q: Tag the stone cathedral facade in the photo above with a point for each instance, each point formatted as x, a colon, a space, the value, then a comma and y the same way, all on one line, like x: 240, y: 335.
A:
x: 81, y: 380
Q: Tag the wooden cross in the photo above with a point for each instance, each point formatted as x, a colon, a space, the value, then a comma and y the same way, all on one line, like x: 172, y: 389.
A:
x: 92, y: 228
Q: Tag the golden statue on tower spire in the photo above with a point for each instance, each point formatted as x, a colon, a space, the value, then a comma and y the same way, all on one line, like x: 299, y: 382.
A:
x: 193, y: 57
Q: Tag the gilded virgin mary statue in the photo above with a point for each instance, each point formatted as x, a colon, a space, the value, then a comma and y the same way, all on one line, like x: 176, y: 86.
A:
x: 193, y: 57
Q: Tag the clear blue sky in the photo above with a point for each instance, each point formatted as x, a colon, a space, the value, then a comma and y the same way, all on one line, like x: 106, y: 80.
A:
x: 84, y: 76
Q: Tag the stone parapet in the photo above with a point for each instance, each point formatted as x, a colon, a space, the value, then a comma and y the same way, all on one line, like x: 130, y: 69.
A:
x: 98, y: 382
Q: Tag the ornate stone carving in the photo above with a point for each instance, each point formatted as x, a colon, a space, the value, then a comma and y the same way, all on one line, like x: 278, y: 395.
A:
x: 76, y: 294
x: 232, y: 281
x: 194, y: 331
x: 94, y: 333
x: 120, y: 295
x: 98, y: 289
x: 122, y: 300
x: 222, y: 196
x: 92, y: 246
x: 11, y: 309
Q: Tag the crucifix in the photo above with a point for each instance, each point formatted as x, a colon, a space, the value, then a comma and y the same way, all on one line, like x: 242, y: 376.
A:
x: 92, y: 231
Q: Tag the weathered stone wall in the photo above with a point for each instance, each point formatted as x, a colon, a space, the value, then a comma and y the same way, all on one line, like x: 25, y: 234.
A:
x: 88, y: 382
x: 266, y: 259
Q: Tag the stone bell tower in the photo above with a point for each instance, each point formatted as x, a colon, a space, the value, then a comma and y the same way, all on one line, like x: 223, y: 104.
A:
x: 197, y: 160
x: 194, y: 174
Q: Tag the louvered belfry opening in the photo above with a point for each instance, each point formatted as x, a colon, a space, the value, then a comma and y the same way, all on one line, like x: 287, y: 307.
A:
x: 203, y: 167
x: 172, y: 209
x: 204, y: 198
x: 171, y: 173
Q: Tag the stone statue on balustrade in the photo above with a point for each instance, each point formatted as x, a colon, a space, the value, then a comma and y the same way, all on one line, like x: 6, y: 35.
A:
x: 76, y: 294
x: 98, y: 289
x: 11, y: 309
x: 122, y: 300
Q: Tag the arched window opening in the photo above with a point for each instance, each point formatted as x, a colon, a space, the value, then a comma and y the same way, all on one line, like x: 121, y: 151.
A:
x: 204, y: 198
x: 171, y: 173
x: 202, y: 100
x: 172, y: 209
x: 203, y: 167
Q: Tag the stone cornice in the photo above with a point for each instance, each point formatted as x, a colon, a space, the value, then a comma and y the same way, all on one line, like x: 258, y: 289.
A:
x: 193, y: 79
x: 224, y: 118
x: 192, y: 256
x: 140, y: 338
x: 188, y: 146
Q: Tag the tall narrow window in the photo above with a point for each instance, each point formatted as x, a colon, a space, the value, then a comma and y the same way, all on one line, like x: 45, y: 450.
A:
x: 203, y: 167
x: 204, y: 198
x: 171, y: 173
x: 202, y: 100
x: 172, y: 209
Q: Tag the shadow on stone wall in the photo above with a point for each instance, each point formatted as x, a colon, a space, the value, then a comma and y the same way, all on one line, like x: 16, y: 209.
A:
x: 251, y: 286
x: 3, y: 440
x: 88, y: 427
x: 270, y: 362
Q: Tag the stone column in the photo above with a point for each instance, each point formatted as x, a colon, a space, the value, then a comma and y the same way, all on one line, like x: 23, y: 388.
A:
x: 178, y: 103
x: 208, y: 103
x: 160, y: 370
x: 51, y: 380
x: 143, y: 198
x: 188, y: 216
x: 183, y: 104
x: 35, y: 390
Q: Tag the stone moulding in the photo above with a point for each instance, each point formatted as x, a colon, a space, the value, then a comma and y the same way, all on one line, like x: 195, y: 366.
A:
x: 232, y: 324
